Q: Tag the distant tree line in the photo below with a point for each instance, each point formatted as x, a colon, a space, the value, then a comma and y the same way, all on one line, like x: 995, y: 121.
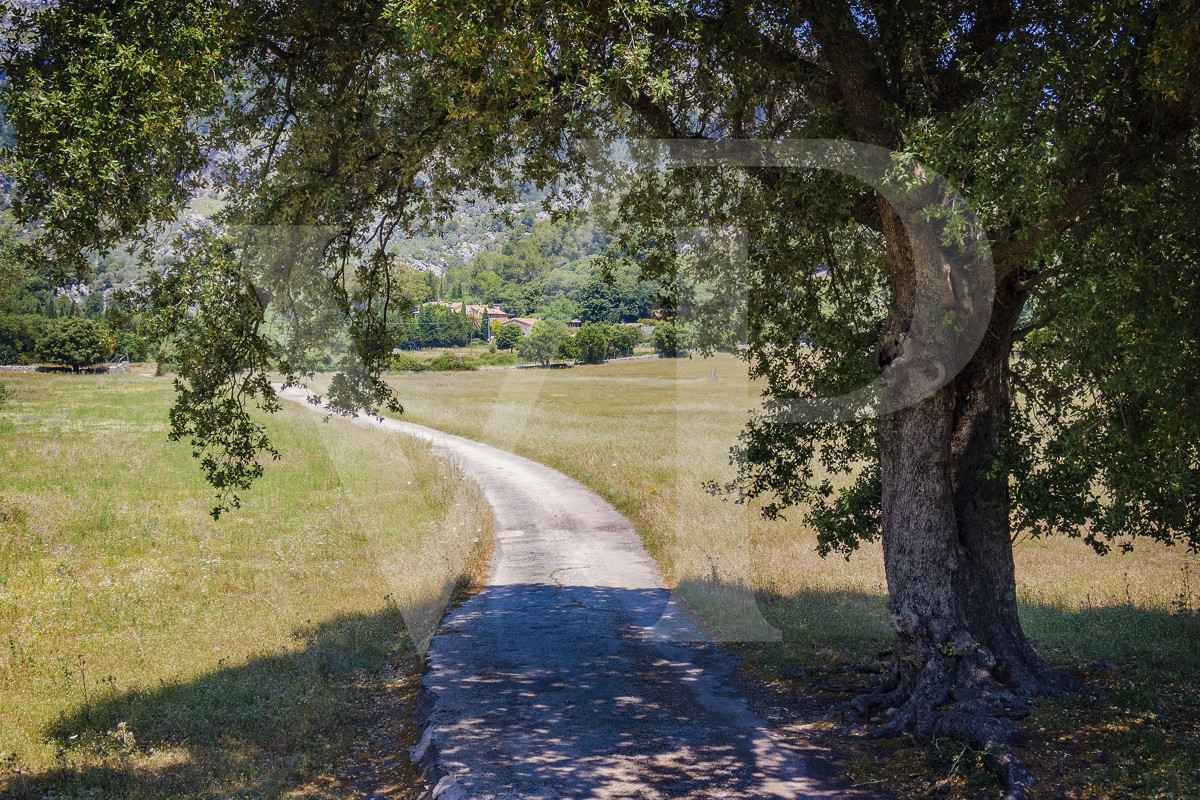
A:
x: 437, y: 326
x: 38, y: 324
x: 550, y: 339
x: 554, y: 270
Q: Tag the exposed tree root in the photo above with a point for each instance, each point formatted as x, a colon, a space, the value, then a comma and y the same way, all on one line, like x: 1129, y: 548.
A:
x: 996, y: 736
x: 960, y: 697
x: 835, y: 686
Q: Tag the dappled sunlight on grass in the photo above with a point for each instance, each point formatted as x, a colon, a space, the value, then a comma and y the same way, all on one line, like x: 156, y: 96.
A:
x: 122, y: 600
x: 256, y: 726
x: 647, y: 434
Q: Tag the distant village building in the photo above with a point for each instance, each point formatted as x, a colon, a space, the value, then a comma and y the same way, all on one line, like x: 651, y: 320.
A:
x: 481, y: 312
x: 526, y: 323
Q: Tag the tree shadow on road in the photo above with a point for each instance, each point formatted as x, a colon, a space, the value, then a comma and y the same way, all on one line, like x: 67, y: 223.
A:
x: 563, y: 690
x: 279, y: 723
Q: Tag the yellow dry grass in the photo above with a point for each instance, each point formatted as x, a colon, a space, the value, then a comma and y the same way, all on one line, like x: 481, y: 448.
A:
x: 148, y: 650
x: 645, y: 434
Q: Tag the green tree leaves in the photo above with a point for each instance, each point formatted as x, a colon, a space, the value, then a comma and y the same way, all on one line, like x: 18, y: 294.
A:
x: 591, y: 342
x: 108, y: 104
x: 438, y: 326
x: 597, y: 303
x: 1104, y: 441
x: 19, y: 337
x: 13, y: 272
x: 509, y: 336
x: 365, y: 118
x: 207, y: 306
x: 671, y: 340
x: 622, y: 339
x: 542, y: 343
x: 75, y: 342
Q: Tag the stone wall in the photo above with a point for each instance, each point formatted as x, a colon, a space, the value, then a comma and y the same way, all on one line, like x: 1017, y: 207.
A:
x: 104, y: 368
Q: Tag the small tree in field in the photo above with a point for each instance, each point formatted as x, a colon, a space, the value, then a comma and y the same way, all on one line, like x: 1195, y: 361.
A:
x: 75, y: 342
x: 543, y: 341
x: 591, y: 342
x: 670, y: 340
x: 622, y: 339
x: 568, y: 348
x: 509, y: 336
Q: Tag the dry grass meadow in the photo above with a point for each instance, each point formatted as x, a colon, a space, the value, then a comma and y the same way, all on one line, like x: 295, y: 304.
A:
x: 150, y: 651
x: 645, y: 434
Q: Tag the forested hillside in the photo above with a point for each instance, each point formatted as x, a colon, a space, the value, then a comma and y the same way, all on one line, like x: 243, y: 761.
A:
x: 515, y: 257
x: 512, y: 256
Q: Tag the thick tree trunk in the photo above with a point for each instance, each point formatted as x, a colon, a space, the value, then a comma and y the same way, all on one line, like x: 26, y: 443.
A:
x: 962, y: 665
x: 987, y: 581
x: 920, y: 542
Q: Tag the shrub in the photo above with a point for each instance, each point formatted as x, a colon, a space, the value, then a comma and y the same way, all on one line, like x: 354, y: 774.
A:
x: 543, y: 341
x: 591, y: 343
x: 671, y: 340
x: 622, y: 339
x: 5, y: 393
x: 75, y: 342
x: 497, y: 359
x: 402, y: 362
x: 452, y: 362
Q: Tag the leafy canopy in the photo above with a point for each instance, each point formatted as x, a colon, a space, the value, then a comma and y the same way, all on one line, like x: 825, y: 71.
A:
x: 1069, y: 126
x: 591, y: 342
x: 543, y: 341
x: 509, y: 336
x: 75, y: 342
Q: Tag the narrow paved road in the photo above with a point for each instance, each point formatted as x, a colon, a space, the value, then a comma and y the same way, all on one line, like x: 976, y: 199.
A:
x: 560, y: 678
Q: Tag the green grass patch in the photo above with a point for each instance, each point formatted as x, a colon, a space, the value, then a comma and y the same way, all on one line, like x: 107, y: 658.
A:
x: 646, y: 434
x: 147, y: 650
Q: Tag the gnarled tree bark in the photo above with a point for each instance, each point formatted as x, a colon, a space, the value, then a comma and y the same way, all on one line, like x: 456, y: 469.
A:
x: 962, y: 665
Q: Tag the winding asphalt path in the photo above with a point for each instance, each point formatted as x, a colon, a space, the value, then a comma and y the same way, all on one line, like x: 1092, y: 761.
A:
x: 565, y: 677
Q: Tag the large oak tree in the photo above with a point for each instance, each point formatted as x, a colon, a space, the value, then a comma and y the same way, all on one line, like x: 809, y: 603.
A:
x: 1069, y: 125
